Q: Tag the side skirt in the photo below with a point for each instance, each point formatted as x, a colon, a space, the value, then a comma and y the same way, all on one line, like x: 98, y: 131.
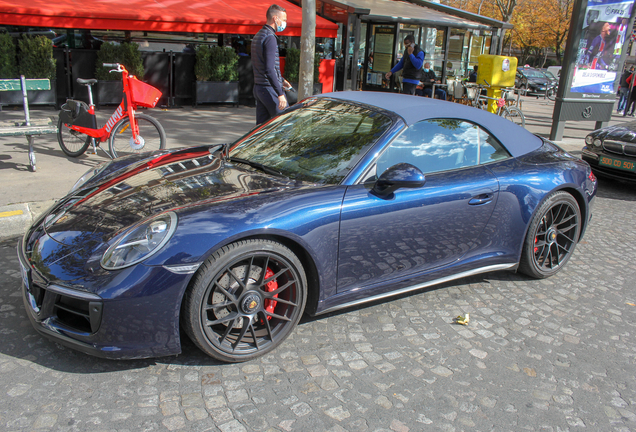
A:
x: 486, y: 269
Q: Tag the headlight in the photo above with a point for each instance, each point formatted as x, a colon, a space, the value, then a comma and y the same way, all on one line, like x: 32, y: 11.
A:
x: 89, y: 175
x: 140, y: 242
x: 589, y: 140
x: 598, y: 142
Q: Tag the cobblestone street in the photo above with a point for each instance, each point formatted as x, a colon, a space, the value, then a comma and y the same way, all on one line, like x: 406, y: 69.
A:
x: 539, y: 355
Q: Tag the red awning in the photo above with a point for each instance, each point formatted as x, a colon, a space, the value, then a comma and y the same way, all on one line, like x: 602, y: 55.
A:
x: 193, y: 16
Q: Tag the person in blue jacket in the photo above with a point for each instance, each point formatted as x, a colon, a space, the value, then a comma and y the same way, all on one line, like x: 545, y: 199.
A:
x: 411, y: 62
x: 269, y: 84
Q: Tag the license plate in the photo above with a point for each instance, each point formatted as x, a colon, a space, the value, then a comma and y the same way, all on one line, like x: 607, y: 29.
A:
x: 617, y: 163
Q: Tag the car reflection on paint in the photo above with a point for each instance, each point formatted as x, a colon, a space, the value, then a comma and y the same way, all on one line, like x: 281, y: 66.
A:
x: 343, y: 199
x: 611, y: 151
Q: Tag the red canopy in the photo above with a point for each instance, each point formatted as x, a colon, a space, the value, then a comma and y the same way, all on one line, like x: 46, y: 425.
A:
x: 193, y: 16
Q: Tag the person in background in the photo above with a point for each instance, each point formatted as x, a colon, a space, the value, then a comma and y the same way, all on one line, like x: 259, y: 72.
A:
x: 472, y: 77
x: 428, y: 79
x: 269, y: 84
x: 411, y: 62
x: 623, y: 90
x: 632, y: 96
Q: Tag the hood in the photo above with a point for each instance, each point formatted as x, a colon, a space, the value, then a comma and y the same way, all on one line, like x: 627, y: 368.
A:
x: 625, y: 132
x: 142, y: 189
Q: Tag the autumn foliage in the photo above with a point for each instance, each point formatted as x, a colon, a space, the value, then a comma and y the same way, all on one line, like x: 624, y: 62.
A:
x: 539, y: 25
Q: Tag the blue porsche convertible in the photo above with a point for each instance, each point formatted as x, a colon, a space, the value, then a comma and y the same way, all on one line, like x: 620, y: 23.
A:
x: 343, y: 199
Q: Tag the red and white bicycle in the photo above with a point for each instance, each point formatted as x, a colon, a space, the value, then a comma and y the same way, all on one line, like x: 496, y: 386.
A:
x: 126, y: 131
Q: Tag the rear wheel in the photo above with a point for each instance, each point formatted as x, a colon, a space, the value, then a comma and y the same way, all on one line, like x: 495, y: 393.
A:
x: 552, y: 236
x: 72, y: 143
x: 514, y: 115
x: 245, y: 300
x: 151, y: 136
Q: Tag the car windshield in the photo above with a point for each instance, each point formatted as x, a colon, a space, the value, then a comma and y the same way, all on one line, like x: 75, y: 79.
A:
x: 533, y: 74
x: 320, y: 142
x: 549, y: 75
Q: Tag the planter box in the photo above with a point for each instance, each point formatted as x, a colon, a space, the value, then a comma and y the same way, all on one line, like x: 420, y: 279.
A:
x: 35, y: 97
x: 216, y: 92
x: 108, y: 92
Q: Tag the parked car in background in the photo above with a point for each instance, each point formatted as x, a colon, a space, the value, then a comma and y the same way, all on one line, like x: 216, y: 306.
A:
x: 82, y: 41
x: 555, y: 70
x: 611, y: 151
x: 345, y: 198
x: 532, y: 81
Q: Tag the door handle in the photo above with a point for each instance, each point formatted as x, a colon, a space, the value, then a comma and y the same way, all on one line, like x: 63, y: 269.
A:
x: 481, y: 199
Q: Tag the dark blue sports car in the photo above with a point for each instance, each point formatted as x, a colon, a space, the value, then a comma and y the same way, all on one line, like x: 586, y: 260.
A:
x: 343, y: 199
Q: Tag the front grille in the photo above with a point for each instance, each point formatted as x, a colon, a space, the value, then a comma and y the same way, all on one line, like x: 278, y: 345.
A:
x: 81, y: 315
x: 613, y: 147
x: 620, y: 148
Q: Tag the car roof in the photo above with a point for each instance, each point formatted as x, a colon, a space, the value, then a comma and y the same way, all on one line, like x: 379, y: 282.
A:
x: 413, y: 109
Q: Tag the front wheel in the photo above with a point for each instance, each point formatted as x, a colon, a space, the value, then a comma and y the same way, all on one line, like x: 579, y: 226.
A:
x: 151, y: 136
x: 515, y: 115
x: 245, y: 300
x: 552, y: 236
x: 72, y: 143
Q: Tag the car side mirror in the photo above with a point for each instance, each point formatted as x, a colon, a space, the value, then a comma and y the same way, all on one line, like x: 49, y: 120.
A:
x: 402, y: 175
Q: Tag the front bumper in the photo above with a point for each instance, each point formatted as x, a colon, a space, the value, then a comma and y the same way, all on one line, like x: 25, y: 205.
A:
x: 592, y: 158
x: 127, y: 327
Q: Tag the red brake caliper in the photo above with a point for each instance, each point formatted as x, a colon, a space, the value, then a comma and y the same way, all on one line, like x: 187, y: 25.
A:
x: 270, y: 305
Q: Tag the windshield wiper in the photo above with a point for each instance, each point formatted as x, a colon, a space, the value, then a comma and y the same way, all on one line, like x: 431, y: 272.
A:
x: 259, y: 166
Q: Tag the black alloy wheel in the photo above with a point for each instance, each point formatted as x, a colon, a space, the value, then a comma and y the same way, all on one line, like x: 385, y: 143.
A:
x: 552, y: 236
x: 245, y: 300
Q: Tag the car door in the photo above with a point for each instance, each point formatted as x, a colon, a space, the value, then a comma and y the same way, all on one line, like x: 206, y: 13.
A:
x: 415, y: 230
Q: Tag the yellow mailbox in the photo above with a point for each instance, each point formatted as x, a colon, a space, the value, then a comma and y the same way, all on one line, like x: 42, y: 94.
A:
x: 497, y: 72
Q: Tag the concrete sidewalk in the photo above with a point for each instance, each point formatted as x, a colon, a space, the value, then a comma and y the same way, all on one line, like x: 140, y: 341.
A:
x: 26, y: 194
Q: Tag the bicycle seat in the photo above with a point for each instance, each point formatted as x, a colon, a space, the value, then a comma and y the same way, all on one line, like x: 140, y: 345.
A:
x: 87, y: 82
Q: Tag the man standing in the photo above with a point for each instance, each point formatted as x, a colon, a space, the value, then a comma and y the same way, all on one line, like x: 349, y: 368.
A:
x: 428, y: 79
x: 268, y: 82
x: 411, y: 61
x: 623, y: 90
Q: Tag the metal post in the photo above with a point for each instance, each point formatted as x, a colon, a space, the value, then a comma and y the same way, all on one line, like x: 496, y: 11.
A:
x: 25, y: 100
x: 171, y: 97
x: 307, y: 50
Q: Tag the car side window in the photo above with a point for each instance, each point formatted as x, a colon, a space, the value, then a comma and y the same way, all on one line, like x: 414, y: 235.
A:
x: 440, y: 145
x: 434, y: 145
x: 490, y: 149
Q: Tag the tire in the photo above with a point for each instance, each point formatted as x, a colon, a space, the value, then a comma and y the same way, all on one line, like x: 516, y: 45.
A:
x: 72, y: 143
x: 235, y: 310
x: 552, y: 236
x: 515, y: 115
x: 552, y: 93
x: 151, y: 132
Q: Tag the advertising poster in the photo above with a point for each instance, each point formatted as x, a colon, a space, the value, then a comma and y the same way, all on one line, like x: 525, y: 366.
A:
x: 603, y: 35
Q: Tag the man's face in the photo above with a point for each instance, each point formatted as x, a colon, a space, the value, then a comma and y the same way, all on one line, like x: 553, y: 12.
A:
x: 407, y: 43
x: 427, y: 65
x: 605, y: 31
x: 280, y: 18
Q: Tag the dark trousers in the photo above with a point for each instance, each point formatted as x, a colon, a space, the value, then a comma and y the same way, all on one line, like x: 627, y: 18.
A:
x: 428, y: 91
x: 266, y: 103
x: 630, y: 103
x: 408, y: 88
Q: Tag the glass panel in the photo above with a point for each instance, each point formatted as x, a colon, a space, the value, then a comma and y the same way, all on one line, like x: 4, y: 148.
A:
x: 318, y: 143
x: 457, y: 53
x: 381, y: 43
x: 434, y: 45
x: 490, y: 149
x: 434, y: 145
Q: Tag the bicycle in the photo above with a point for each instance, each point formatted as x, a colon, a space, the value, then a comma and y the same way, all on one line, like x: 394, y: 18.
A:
x: 126, y: 130
x: 504, y: 109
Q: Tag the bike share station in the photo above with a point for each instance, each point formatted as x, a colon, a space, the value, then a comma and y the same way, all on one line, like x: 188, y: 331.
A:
x: 496, y: 73
x: 594, y: 56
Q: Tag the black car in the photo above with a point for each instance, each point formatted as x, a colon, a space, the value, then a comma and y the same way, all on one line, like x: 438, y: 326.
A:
x: 611, y: 151
x: 534, y: 81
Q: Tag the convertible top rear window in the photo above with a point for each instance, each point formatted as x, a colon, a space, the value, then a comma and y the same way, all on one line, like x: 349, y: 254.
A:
x: 320, y: 142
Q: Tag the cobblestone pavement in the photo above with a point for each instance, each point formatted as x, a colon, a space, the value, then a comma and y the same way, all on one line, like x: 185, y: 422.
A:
x: 538, y: 355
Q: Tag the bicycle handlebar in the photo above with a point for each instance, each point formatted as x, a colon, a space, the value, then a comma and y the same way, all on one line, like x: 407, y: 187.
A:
x: 116, y: 67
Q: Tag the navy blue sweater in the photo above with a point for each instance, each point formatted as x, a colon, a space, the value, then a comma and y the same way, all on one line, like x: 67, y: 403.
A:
x: 265, y: 61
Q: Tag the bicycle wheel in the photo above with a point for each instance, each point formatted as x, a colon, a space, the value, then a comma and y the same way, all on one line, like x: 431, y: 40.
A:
x: 73, y: 143
x: 551, y: 93
x: 514, y: 115
x: 151, y: 136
